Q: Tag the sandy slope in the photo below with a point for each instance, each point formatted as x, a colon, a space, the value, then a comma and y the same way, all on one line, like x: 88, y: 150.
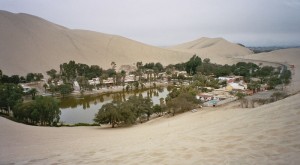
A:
x: 31, y: 44
x: 217, y: 49
x: 266, y: 135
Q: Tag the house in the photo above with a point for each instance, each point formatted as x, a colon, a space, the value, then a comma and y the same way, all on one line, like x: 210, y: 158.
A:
x: 76, y: 86
x: 59, y: 82
x: 94, y: 81
x: 206, y: 97
x: 236, y: 87
x: 26, y: 89
x: 211, y: 103
x: 231, y: 79
x: 254, y: 79
x: 130, y: 78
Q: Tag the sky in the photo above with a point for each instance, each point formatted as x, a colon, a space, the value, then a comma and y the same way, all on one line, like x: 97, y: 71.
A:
x: 171, y: 22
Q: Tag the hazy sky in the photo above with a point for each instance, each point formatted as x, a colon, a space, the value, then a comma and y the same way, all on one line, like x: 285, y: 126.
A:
x: 168, y: 22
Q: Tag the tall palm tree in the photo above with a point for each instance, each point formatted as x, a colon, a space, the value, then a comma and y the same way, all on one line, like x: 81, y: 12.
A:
x: 33, y: 92
x: 123, y: 74
x: 45, y: 86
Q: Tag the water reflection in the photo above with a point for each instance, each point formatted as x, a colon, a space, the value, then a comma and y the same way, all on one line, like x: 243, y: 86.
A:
x: 82, y: 109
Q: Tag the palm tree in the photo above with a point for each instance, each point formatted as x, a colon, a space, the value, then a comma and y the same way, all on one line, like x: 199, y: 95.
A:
x: 33, y: 92
x: 123, y: 74
x: 149, y: 75
x: 45, y: 86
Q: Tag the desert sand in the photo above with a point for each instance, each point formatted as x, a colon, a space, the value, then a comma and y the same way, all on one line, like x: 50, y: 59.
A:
x: 32, y: 44
x: 268, y: 134
x: 226, y: 135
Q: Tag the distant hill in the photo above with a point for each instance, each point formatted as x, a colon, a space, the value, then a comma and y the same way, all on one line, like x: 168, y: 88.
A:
x: 218, y: 50
x: 270, y: 48
x: 31, y: 44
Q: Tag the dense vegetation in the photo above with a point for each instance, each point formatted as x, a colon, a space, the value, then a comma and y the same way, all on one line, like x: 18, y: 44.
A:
x: 42, y: 110
x: 10, y: 95
x: 126, y: 112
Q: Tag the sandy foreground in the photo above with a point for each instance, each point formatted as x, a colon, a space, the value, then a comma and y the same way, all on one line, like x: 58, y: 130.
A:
x: 226, y: 135
x: 269, y: 134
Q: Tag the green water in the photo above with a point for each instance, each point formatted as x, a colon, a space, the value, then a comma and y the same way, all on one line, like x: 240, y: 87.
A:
x: 83, y: 109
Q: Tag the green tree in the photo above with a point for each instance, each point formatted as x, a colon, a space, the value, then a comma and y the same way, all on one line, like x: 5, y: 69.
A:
x: 181, y: 100
x: 123, y: 74
x: 65, y: 89
x: 240, y: 95
x: 15, y: 79
x: 30, y: 77
x: 52, y: 73
x: 157, y: 109
x: 48, y: 110
x: 192, y: 64
x: 128, y: 116
x: 53, y: 89
x: 109, y: 114
x: 32, y: 92
x: 10, y: 95
x: 206, y: 60
x: 45, y: 87
x: 147, y: 106
x: 254, y: 86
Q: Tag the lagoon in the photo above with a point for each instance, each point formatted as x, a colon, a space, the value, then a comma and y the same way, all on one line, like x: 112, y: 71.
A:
x: 82, y: 109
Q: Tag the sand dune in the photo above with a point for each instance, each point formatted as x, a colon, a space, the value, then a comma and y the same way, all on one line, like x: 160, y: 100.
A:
x: 31, y: 44
x: 217, y: 49
x: 225, y: 135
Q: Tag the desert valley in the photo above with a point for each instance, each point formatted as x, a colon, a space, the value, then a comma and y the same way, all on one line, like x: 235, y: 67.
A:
x: 219, y: 134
